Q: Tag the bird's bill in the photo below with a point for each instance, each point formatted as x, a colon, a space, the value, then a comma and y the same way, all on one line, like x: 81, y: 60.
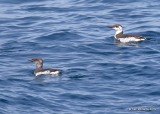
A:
x: 30, y: 60
x: 110, y: 26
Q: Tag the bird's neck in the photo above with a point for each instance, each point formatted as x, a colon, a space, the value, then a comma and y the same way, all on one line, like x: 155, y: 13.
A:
x: 118, y: 33
x: 39, y: 65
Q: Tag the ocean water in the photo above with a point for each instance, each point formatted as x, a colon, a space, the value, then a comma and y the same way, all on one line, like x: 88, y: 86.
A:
x: 100, y: 76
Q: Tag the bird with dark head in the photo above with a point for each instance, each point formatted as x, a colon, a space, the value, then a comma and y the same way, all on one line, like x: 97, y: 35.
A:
x: 125, y: 38
x: 39, y: 68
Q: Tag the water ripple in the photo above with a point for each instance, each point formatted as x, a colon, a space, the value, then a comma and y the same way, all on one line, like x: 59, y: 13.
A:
x: 100, y: 75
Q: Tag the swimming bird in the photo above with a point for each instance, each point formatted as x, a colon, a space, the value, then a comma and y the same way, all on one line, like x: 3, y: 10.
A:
x: 39, y: 68
x: 125, y: 38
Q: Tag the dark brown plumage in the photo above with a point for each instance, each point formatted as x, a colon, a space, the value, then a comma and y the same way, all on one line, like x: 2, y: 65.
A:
x: 125, y: 37
x: 39, y: 68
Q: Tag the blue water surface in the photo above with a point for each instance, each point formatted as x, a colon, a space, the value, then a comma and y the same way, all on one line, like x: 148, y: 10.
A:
x: 100, y: 75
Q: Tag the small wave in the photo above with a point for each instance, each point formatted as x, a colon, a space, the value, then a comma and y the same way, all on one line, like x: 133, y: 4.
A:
x: 60, y: 36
